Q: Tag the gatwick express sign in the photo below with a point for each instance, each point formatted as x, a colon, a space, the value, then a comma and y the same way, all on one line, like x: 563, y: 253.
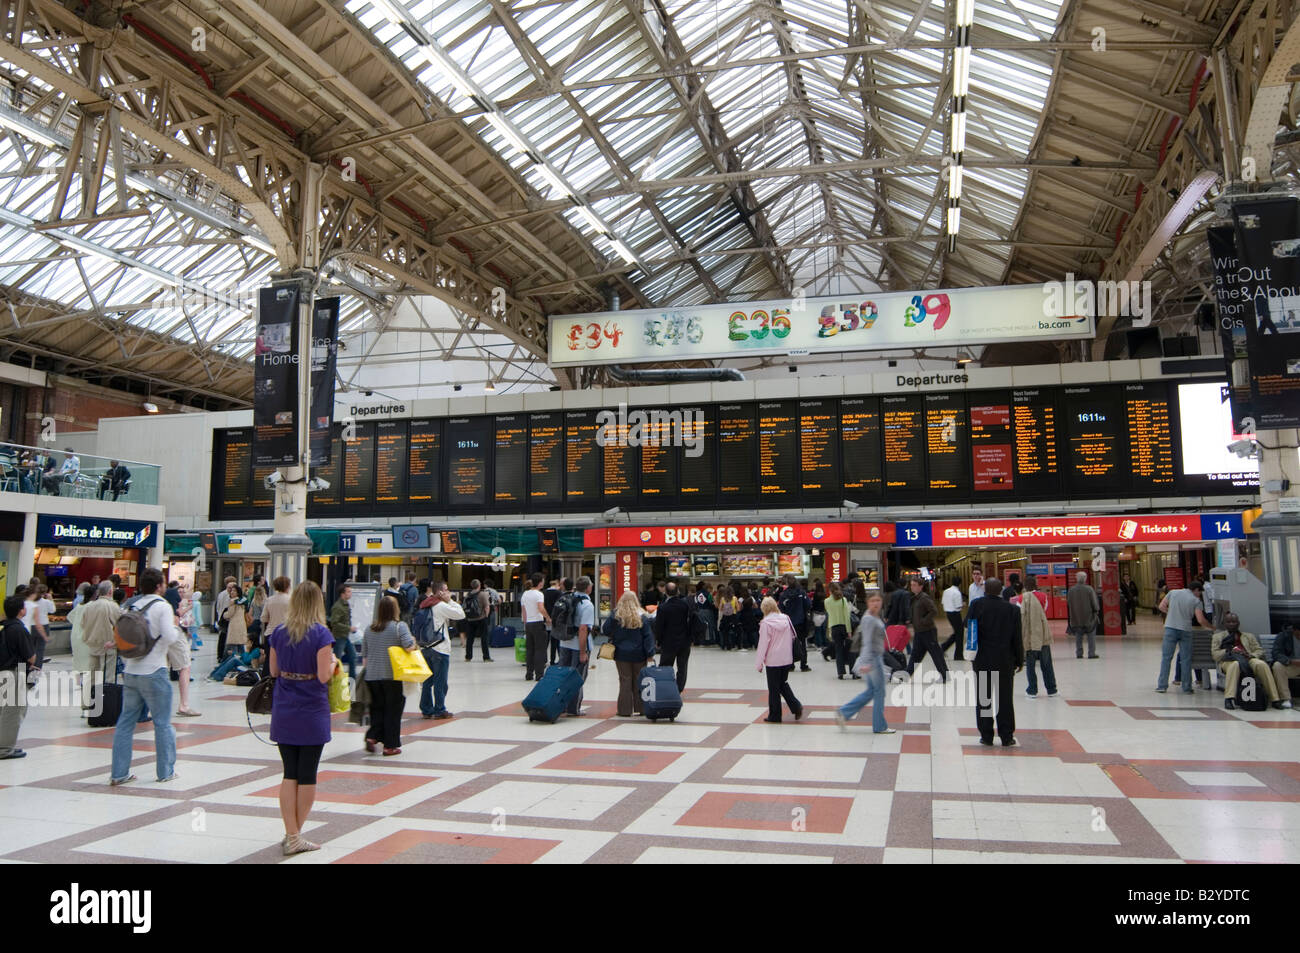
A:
x: 1152, y: 528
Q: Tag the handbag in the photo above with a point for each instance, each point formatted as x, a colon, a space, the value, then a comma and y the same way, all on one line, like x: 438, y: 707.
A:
x: 606, y: 651
x: 408, y: 666
x: 340, y: 691
x: 258, y: 701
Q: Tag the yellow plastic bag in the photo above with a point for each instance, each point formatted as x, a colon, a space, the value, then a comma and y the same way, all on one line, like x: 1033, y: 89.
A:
x: 340, y: 691
x: 408, y: 666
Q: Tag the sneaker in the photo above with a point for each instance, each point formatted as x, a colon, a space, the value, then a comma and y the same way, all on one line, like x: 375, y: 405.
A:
x: 1029, y: 694
x: 841, y: 720
x: 1230, y: 703
x: 887, y: 731
x: 437, y: 716
x: 987, y: 742
x: 16, y: 753
x: 114, y: 782
x: 1286, y: 704
x: 1052, y: 694
x: 1009, y: 743
x: 1280, y: 705
x: 1162, y: 690
x: 171, y: 777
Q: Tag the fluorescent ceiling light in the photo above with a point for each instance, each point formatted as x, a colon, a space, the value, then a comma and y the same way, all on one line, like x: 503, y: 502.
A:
x: 259, y: 244
x: 623, y: 251
x: 553, y: 179
x: 958, y: 132
x: 954, y: 220
x: 965, y: 12
x: 954, y: 181
x: 440, y: 61
x: 507, y: 131
x: 588, y: 216
x: 961, y: 70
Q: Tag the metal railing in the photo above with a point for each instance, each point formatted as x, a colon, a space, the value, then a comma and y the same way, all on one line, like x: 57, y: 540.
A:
x: 40, y: 470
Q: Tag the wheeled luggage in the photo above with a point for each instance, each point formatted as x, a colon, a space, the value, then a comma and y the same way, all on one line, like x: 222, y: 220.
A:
x: 659, y: 695
x: 501, y: 637
x: 550, y: 697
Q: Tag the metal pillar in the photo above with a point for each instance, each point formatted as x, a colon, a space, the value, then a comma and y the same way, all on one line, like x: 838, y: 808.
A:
x: 1279, y: 532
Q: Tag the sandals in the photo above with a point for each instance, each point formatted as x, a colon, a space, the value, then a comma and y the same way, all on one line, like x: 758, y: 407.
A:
x: 371, y: 745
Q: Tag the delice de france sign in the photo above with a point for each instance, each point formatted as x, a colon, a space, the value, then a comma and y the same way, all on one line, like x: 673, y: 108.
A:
x: 62, y: 530
x: 850, y: 322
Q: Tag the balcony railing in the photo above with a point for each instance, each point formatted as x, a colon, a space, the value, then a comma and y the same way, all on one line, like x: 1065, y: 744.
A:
x: 79, y: 475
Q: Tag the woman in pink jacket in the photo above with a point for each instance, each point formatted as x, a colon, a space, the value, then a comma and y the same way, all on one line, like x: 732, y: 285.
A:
x: 776, y: 650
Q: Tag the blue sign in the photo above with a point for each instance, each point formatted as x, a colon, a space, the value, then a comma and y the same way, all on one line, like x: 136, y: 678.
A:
x: 1222, y: 526
x: 347, y: 544
x: 89, y: 531
x: 913, y: 534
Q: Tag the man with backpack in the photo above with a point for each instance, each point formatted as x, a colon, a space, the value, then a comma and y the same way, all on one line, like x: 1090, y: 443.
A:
x: 795, y: 603
x: 574, y: 620
x: 16, y: 653
x: 143, y: 634
x: 549, y: 598
x: 477, y: 607
x: 410, y: 600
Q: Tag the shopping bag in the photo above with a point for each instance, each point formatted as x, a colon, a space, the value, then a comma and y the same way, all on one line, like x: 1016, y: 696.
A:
x: 972, y: 636
x: 521, y: 650
x: 408, y: 666
x: 340, y: 689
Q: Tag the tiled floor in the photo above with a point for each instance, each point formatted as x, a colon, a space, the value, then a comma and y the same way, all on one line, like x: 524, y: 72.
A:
x: 1107, y: 771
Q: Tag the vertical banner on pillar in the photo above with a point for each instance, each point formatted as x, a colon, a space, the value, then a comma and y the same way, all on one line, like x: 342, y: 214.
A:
x: 836, y: 564
x: 324, y: 354
x: 627, y: 573
x: 1232, y: 308
x: 1112, y: 618
x: 275, y: 377
x: 1267, y: 232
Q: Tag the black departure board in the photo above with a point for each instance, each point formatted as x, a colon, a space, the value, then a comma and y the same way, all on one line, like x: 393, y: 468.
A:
x: 947, y: 445
x: 860, y: 446
x: 359, y: 467
x: 819, y: 448
x: 658, y: 436
x: 697, y: 457
x: 582, y: 459
x: 1096, y: 437
x: 737, y: 454
x: 391, y: 444
x: 425, y: 463
x: 1147, y: 408
x: 902, y: 428
x: 468, y: 442
x: 1067, y: 442
x: 510, y: 461
x: 1038, y: 467
x: 546, y: 459
x: 778, y: 451
x: 992, y: 443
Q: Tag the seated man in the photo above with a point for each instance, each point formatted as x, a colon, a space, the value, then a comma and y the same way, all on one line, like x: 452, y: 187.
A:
x: 1231, y: 647
x: 114, y: 479
x: 1285, y: 664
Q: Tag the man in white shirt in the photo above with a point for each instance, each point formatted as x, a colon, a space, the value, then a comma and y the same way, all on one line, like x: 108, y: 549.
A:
x: 146, y: 682
x: 433, y: 693
x: 533, y: 606
x: 37, y: 621
x: 952, y: 608
x: 976, y: 586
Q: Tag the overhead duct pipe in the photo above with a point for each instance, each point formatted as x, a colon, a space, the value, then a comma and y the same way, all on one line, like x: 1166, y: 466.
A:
x: 674, y: 375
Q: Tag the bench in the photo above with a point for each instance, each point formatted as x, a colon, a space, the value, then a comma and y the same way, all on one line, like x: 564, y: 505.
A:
x: 1203, y: 661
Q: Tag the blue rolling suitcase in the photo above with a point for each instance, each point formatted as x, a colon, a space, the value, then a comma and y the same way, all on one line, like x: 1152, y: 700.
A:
x: 553, y: 694
x: 501, y: 637
x: 659, y: 695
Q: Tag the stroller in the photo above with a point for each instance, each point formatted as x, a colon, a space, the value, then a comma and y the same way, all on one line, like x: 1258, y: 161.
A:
x: 895, y: 655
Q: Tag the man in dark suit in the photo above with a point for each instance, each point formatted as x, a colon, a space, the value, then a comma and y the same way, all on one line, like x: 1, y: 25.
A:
x: 1001, y: 653
x: 673, y: 632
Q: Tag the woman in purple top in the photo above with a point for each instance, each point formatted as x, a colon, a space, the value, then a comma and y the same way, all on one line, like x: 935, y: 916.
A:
x: 302, y: 662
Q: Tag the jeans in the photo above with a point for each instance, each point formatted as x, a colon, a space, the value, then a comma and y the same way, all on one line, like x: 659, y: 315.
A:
x: 225, y: 668
x: 1079, y: 632
x: 433, y: 693
x: 569, y: 659
x: 1180, y: 639
x: 345, y: 650
x: 155, y: 690
x: 1044, y: 657
x: 819, y: 635
x: 873, y: 692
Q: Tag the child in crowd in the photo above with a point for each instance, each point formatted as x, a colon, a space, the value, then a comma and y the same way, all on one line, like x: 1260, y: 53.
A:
x: 238, y: 661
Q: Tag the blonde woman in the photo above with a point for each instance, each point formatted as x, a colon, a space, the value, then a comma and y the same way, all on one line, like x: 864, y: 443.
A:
x: 776, y: 651
x: 634, y: 645
x: 302, y: 662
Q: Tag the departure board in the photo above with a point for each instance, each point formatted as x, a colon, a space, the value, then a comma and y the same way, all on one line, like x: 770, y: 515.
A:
x: 992, y: 444
x: 359, y: 467
x: 860, y: 446
x: 510, y: 461
x: 582, y: 459
x: 468, y: 439
x: 697, y: 459
x: 1150, y: 436
x: 1034, y: 424
x: 902, y: 426
x: 621, y: 464
x: 737, y: 454
x: 659, y: 456
x: 263, y: 496
x: 1096, y: 439
x: 778, y: 451
x: 546, y: 459
x: 819, y: 448
x: 234, y: 448
x: 947, y: 445
x: 390, y: 464
x: 327, y: 502
x: 425, y: 462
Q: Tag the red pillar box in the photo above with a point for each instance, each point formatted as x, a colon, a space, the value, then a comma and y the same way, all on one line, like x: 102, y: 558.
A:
x: 627, y: 573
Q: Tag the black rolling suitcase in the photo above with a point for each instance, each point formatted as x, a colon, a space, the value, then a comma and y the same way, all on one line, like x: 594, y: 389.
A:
x: 105, y: 701
x: 659, y: 695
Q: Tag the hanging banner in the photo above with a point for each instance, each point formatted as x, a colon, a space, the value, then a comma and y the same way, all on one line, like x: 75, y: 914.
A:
x: 1267, y: 231
x: 851, y: 322
x: 1232, y: 310
x: 627, y: 573
x: 275, y: 377
x: 324, y: 354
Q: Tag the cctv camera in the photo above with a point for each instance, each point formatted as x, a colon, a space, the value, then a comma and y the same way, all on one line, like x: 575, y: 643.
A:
x: 316, y: 484
x: 612, y: 512
x: 273, y: 479
x: 1244, y: 448
x: 850, y: 505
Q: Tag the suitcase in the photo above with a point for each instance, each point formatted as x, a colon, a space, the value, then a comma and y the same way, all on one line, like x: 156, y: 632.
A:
x: 501, y: 637
x: 111, y: 695
x: 550, y: 697
x: 659, y: 695
x: 521, y: 650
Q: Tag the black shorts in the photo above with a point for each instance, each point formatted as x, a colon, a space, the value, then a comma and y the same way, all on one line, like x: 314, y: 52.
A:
x: 301, y: 762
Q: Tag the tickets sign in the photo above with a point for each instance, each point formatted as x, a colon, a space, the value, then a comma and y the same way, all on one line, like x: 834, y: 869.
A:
x: 849, y: 322
x: 1158, y: 528
x: 749, y: 534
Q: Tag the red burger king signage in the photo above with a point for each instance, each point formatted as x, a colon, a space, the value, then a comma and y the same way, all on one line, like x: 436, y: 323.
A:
x: 748, y: 534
